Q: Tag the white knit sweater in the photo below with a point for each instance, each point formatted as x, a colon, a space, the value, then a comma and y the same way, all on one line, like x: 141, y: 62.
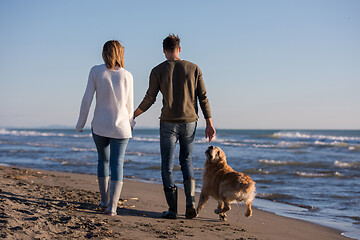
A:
x: 113, y: 115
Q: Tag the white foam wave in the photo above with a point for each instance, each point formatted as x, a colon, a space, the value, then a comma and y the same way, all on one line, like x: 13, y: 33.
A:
x: 277, y: 162
x: 235, y: 144
x: 314, y: 136
x: 33, y: 144
x: 28, y: 133
x: 332, y: 144
x: 78, y: 163
x: 318, y: 175
x: 272, y: 162
x: 292, y: 144
x: 83, y: 149
x: 355, y: 148
x: 214, y: 140
x: 145, y: 139
x: 264, y: 145
x: 70, y: 162
x: 32, y: 133
x: 142, y: 153
x: 346, y: 164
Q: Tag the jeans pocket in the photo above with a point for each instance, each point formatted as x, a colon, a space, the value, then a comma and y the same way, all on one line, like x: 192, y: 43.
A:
x: 167, y: 129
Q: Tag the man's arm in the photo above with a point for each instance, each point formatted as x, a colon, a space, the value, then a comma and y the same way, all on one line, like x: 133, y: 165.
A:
x: 205, y: 107
x: 151, y: 93
x: 209, y: 130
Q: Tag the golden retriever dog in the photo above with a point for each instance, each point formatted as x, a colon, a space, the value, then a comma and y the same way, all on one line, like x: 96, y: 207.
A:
x: 224, y: 184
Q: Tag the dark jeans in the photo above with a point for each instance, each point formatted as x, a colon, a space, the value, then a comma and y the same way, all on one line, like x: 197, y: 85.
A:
x: 170, y: 133
x: 111, y: 152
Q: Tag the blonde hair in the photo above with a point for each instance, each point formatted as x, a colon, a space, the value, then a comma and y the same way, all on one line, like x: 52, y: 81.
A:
x: 113, y: 54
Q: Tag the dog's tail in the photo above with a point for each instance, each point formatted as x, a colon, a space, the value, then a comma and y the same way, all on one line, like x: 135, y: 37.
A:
x: 247, y: 194
x: 250, y: 192
x: 250, y: 187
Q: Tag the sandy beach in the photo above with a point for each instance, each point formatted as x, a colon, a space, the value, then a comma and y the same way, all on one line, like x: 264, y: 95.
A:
x: 37, y: 204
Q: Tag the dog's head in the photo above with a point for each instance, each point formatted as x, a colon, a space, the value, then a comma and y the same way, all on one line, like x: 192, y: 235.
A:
x: 215, y: 154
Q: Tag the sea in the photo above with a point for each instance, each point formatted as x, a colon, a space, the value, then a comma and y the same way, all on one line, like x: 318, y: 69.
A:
x: 313, y: 175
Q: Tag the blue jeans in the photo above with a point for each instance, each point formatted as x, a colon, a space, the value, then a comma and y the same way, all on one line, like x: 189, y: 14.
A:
x: 170, y: 133
x: 111, y: 152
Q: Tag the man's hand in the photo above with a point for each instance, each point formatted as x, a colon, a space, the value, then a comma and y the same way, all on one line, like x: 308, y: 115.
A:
x: 137, y: 112
x: 209, y: 130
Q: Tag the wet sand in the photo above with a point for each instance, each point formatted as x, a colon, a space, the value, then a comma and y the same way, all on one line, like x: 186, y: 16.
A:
x: 37, y: 204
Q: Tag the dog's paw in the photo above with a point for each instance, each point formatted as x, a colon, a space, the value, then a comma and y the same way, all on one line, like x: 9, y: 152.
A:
x: 248, y: 214
x: 223, y: 216
x: 216, y: 211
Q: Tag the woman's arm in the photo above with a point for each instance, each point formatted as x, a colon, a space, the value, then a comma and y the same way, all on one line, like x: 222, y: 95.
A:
x: 86, y: 103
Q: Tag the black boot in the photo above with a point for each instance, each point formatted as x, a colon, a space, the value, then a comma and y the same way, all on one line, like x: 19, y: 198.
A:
x: 189, y: 188
x: 171, y: 199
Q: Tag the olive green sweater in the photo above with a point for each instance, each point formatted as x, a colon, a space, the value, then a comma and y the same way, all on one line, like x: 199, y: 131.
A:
x: 181, y: 85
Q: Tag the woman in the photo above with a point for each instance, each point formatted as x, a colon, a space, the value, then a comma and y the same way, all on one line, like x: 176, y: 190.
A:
x: 112, y: 122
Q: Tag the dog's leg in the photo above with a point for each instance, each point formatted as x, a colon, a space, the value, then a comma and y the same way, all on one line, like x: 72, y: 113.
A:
x: 225, y: 208
x: 223, y: 216
x: 248, y: 211
x: 202, y: 201
x: 220, y: 207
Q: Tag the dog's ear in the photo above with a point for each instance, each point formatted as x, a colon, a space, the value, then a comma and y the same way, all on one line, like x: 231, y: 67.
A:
x: 221, y: 154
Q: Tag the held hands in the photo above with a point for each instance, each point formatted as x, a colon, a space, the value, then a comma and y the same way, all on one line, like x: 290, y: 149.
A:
x: 132, y: 124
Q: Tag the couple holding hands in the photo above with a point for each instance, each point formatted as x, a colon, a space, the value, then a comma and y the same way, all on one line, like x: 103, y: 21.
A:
x: 181, y: 85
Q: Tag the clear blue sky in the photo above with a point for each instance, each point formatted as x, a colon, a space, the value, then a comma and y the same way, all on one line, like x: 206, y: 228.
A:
x: 266, y: 64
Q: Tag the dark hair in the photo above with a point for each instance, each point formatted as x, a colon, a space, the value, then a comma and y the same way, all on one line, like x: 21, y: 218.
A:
x: 113, y: 54
x: 171, y: 42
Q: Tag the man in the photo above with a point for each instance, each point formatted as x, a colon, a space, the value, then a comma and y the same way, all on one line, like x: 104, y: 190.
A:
x: 181, y: 85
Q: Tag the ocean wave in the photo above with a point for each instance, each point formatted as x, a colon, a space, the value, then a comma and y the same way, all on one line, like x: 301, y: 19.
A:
x: 287, y: 144
x: 141, y: 154
x: 145, y: 139
x: 83, y: 149
x: 70, y: 162
x: 346, y: 164
x: 256, y: 171
x: 285, y: 199
x: 318, y: 175
x: 355, y: 148
x: 331, y: 144
x: 33, y: 133
x: 293, y: 145
x: 265, y: 146
x: 255, y: 144
x: 276, y: 162
x: 32, y: 144
x: 225, y: 141
x: 216, y: 139
x: 22, y: 151
x: 27, y: 133
x: 313, y: 164
x: 284, y: 144
x: 158, y: 167
x: 234, y: 144
x: 275, y: 196
x: 176, y: 168
x: 313, y: 136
